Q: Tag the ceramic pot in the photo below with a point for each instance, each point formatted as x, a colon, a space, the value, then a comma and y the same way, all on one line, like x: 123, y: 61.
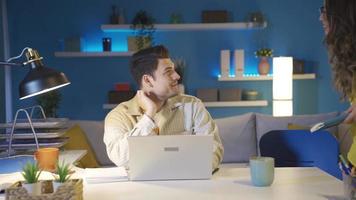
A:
x: 56, y: 185
x: 132, y: 43
x: 263, y: 66
x: 33, y: 188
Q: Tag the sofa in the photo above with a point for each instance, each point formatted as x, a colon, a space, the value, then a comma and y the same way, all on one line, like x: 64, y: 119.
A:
x: 240, y: 134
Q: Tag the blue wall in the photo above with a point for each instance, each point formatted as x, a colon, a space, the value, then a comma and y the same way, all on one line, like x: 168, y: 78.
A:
x: 2, y: 81
x: 293, y: 30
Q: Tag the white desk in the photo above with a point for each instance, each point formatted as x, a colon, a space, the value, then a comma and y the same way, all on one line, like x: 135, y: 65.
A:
x: 228, y: 183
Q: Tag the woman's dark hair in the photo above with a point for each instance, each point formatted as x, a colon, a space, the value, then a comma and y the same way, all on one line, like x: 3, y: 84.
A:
x: 146, y: 61
x: 341, y: 43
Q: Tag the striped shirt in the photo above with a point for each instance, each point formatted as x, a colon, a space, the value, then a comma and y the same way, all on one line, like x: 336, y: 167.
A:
x: 179, y: 114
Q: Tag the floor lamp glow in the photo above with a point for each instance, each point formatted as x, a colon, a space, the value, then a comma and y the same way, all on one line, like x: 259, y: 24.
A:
x: 282, y: 86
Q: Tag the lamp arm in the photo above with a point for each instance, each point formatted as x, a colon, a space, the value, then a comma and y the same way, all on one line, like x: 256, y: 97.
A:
x: 11, y: 64
x: 8, y: 62
x: 16, y: 57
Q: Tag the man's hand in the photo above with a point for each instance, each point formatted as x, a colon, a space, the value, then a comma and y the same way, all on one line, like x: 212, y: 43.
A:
x: 351, y: 118
x: 146, y: 103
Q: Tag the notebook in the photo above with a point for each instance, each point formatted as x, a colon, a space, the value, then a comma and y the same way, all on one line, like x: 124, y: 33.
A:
x: 170, y: 157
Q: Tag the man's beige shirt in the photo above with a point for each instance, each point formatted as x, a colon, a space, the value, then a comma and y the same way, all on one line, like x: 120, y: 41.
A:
x: 179, y: 114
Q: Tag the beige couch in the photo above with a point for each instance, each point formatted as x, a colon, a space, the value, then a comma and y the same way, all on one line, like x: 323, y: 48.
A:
x: 240, y: 134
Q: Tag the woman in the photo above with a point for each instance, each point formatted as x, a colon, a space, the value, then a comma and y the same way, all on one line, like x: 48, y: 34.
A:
x: 339, y: 22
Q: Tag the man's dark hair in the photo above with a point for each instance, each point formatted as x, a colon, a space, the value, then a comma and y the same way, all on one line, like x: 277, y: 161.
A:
x: 146, y: 61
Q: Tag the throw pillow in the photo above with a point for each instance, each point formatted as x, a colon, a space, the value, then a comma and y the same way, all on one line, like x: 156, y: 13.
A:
x: 266, y: 123
x: 292, y: 126
x: 238, y: 135
x: 78, y: 141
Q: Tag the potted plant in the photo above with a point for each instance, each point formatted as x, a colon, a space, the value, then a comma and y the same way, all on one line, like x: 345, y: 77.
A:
x: 180, y: 64
x: 62, y: 175
x: 50, y: 102
x: 143, y: 27
x: 31, y: 173
x: 264, y: 54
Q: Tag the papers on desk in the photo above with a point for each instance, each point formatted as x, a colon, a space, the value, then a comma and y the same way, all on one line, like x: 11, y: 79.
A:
x: 105, y: 175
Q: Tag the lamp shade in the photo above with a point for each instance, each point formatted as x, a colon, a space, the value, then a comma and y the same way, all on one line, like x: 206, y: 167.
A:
x: 282, y: 86
x: 41, y: 79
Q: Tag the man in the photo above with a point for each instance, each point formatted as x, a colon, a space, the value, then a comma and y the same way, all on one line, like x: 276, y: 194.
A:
x: 157, y: 108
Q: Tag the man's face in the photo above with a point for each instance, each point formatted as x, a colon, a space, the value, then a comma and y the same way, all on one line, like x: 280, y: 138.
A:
x: 165, y: 80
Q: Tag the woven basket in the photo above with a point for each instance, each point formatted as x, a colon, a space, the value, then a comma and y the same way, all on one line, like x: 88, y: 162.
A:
x: 71, y: 190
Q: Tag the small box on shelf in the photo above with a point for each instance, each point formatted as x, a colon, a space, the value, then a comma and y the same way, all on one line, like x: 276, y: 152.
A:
x: 116, y: 97
x: 74, y: 44
x: 122, y: 87
x: 298, y: 66
x: 214, y: 16
x: 231, y: 94
x: 208, y: 95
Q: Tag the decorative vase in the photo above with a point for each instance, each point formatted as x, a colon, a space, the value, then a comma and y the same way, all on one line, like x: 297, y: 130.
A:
x: 33, y: 188
x: 263, y: 66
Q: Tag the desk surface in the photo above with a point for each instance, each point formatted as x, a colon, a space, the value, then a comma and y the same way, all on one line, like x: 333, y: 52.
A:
x: 228, y: 183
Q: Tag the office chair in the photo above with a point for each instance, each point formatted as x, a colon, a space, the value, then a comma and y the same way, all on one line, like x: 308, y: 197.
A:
x: 300, y: 148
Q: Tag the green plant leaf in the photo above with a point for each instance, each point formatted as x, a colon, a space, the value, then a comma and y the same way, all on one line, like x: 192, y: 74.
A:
x: 31, y: 172
x: 50, y: 102
x: 63, y: 172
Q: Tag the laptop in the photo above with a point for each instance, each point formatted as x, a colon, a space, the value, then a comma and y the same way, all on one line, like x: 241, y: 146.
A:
x: 170, y: 157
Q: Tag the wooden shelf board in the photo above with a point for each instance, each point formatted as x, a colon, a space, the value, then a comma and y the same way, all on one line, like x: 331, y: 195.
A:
x: 93, y: 54
x: 188, y: 27
x: 266, y: 78
x: 256, y: 103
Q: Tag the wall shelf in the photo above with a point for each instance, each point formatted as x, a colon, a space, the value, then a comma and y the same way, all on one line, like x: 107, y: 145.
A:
x: 109, y: 106
x: 266, y: 78
x: 92, y: 54
x: 258, y: 103
x: 188, y: 27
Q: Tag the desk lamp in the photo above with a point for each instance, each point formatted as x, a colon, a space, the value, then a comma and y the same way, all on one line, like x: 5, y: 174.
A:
x: 40, y: 79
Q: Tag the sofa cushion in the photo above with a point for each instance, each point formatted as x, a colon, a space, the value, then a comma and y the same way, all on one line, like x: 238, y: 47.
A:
x: 297, y: 127
x: 79, y: 141
x: 238, y: 135
x: 94, y: 131
x: 266, y: 123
